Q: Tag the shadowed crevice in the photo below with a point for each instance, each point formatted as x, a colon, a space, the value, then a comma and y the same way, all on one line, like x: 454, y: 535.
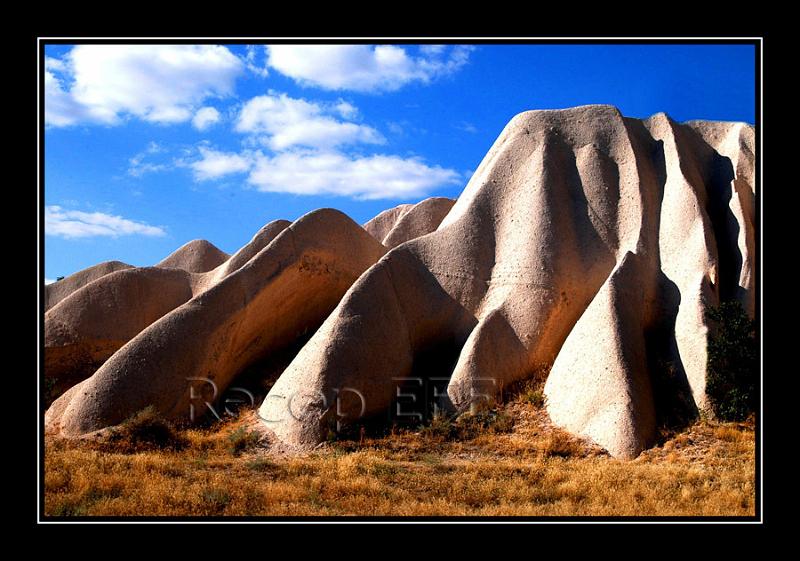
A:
x: 674, y: 403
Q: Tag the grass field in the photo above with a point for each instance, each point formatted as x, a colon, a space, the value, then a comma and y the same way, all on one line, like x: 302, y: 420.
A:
x: 511, y: 462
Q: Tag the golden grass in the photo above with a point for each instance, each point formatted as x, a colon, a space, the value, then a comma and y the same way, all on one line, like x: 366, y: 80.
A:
x: 520, y: 468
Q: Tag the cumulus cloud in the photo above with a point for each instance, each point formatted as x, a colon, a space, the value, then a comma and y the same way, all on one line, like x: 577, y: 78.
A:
x: 346, y: 110
x: 156, y: 83
x: 205, y: 117
x: 252, y: 65
x: 214, y: 164
x: 334, y: 173
x: 72, y: 224
x: 365, y: 68
x: 60, y: 110
x: 432, y: 50
x: 285, y: 122
x: 54, y: 64
x: 305, y: 156
x: 49, y: 281
x: 327, y: 172
x: 140, y: 164
x: 466, y: 126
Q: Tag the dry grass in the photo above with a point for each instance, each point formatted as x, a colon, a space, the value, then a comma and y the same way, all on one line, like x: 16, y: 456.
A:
x: 509, y: 463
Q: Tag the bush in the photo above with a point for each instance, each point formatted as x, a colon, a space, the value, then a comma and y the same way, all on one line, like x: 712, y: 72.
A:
x: 262, y: 465
x: 732, y: 383
x: 561, y: 445
x: 440, y: 427
x: 145, y: 430
x: 241, y: 440
x: 216, y: 499
x: 468, y: 425
x: 530, y: 391
x: 533, y: 396
x: 472, y: 425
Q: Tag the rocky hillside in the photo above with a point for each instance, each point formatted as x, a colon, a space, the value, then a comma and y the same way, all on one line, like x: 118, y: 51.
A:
x: 587, y: 244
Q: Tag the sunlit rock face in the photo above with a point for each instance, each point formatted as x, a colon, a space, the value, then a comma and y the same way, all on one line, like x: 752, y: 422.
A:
x: 586, y: 242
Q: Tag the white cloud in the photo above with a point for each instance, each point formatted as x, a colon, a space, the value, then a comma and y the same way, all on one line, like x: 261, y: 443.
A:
x: 405, y: 128
x: 466, y: 126
x: 432, y: 50
x: 365, y: 68
x: 54, y: 64
x: 138, y: 168
x: 72, y: 224
x: 214, y: 164
x: 60, y: 109
x: 370, y: 177
x: 395, y: 127
x: 346, y: 110
x: 49, y: 281
x: 250, y: 62
x: 157, y: 83
x: 288, y: 122
x: 205, y: 117
x: 139, y: 165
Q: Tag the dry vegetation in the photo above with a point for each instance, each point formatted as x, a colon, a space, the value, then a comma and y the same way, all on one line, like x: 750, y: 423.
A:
x: 509, y: 462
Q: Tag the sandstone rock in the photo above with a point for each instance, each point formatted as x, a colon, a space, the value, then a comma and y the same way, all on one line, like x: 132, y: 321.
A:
x: 735, y: 173
x: 380, y: 226
x: 85, y: 329
x: 288, y: 287
x: 196, y: 256
x: 352, y: 363
x: 57, y: 291
x: 406, y: 222
x: 585, y: 241
x: 262, y: 238
x: 599, y: 384
x: 103, y: 311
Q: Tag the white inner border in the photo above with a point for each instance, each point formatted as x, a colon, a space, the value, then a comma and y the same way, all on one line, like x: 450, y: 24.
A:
x: 264, y: 40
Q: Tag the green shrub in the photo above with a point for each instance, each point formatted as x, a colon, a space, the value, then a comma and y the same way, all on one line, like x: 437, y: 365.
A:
x: 530, y: 391
x: 440, y: 427
x: 468, y: 425
x: 533, y: 396
x: 145, y: 430
x: 242, y: 439
x: 216, y: 499
x: 472, y: 425
x: 70, y: 507
x: 732, y: 383
x: 261, y: 464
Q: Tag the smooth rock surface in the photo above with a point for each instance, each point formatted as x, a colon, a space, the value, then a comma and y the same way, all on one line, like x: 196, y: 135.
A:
x: 97, y: 310
x: 288, y: 287
x: 585, y: 242
x: 406, y: 222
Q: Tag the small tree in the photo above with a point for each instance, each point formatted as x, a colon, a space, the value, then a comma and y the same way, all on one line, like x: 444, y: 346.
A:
x: 732, y: 383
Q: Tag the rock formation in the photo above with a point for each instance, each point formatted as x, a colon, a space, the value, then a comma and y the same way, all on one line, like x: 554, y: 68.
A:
x: 96, y: 311
x: 284, y: 290
x: 406, y: 222
x: 57, y: 291
x: 197, y: 256
x: 586, y: 242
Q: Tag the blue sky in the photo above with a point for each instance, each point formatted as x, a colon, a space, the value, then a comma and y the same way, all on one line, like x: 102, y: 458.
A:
x: 150, y: 146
